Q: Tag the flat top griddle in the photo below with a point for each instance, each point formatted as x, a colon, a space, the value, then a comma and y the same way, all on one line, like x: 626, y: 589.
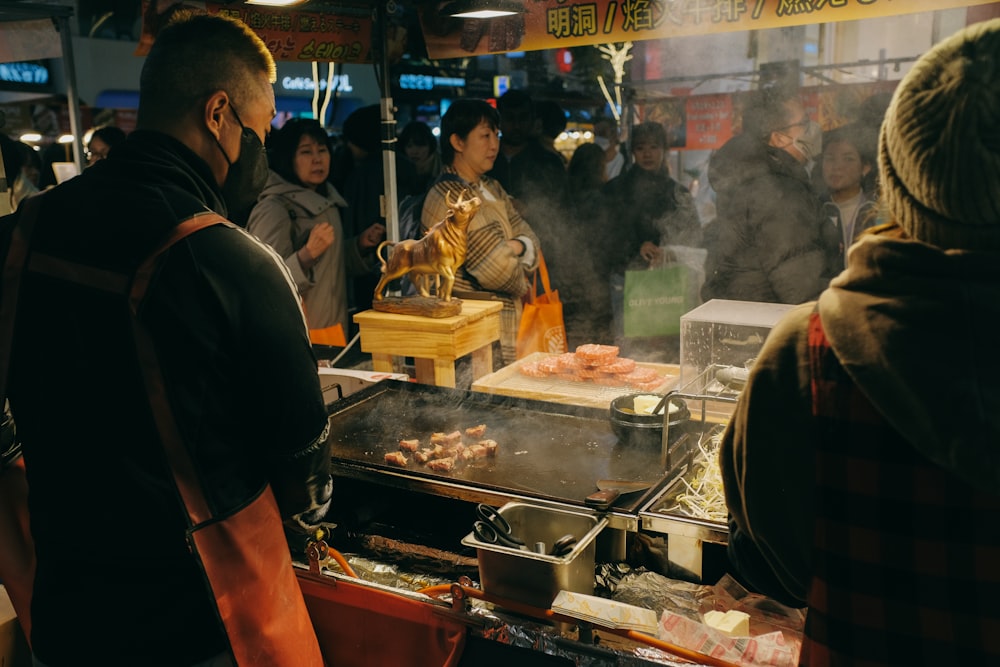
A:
x: 546, y: 450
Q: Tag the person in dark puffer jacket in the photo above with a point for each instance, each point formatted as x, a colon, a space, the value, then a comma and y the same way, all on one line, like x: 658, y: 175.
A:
x: 862, y: 463
x: 765, y: 242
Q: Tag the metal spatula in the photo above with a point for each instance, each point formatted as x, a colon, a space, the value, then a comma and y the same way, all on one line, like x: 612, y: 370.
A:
x: 622, y: 485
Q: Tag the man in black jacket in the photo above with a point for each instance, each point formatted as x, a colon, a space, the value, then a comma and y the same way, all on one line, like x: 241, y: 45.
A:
x: 117, y: 582
x: 765, y: 244
x: 533, y: 176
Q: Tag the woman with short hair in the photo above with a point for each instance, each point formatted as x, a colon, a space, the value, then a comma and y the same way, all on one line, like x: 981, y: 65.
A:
x: 502, y: 248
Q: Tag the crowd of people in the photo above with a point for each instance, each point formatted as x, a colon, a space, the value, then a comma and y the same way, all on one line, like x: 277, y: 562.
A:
x: 789, y: 201
x: 870, y: 502
x: 27, y: 170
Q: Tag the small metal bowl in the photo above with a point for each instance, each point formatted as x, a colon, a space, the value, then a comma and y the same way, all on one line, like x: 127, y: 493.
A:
x: 644, y: 430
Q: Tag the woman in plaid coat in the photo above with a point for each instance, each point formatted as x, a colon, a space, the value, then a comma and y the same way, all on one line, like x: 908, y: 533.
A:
x: 502, y: 249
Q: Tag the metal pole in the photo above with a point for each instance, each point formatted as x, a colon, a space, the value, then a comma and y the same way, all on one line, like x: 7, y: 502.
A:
x: 389, y: 199
x: 69, y: 65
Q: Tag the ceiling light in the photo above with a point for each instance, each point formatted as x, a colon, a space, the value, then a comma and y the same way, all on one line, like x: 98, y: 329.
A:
x: 30, y: 137
x: 483, y: 9
x: 274, y: 3
x: 482, y: 14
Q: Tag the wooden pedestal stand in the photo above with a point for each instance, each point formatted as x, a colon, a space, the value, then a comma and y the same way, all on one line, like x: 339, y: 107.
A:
x: 435, y: 343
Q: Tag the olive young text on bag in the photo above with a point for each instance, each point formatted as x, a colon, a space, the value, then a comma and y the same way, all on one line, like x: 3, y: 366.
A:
x: 655, y: 299
x: 542, y: 328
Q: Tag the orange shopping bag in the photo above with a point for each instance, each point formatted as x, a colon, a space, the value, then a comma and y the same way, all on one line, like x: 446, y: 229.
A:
x: 332, y: 336
x: 542, y: 328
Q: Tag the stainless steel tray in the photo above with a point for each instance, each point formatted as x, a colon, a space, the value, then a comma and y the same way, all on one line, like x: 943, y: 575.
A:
x: 710, y: 412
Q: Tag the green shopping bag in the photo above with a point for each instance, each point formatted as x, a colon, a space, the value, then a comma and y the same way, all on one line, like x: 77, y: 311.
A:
x: 655, y: 299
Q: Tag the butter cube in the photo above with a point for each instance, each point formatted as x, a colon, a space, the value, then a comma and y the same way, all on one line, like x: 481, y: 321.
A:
x: 644, y: 404
x: 713, y: 618
x: 732, y: 623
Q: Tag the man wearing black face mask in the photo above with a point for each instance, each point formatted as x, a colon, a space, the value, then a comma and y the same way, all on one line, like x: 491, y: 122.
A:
x: 202, y: 400
x: 247, y: 175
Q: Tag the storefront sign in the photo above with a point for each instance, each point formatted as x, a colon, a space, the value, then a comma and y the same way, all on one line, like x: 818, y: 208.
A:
x: 553, y: 24
x: 341, y: 84
x: 501, y: 84
x: 290, y: 34
x: 709, y: 121
x: 428, y: 82
x: 32, y: 74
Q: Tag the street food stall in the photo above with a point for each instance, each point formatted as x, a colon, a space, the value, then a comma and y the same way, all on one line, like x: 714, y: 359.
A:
x: 498, y: 524
x: 580, y: 491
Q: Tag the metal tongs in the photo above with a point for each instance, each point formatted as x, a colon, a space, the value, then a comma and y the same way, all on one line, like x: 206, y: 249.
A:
x: 563, y: 545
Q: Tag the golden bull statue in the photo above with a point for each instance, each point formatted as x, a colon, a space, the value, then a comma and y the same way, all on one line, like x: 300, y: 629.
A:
x: 438, y: 254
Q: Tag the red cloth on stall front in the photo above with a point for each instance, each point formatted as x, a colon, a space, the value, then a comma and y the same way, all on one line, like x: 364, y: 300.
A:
x: 362, y: 625
x: 17, y: 557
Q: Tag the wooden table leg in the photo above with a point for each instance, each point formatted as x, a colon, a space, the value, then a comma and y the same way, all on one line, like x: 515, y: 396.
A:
x: 444, y: 372
x: 382, y: 363
x: 440, y: 372
x: 423, y: 370
x: 482, y: 361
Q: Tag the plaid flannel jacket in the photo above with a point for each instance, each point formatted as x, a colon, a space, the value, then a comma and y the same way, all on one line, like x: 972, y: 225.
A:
x: 906, y: 556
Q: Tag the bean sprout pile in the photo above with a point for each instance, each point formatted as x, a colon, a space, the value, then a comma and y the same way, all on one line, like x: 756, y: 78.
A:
x: 703, y: 496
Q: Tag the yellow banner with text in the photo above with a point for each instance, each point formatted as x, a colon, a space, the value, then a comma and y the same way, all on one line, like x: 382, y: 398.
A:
x: 551, y: 24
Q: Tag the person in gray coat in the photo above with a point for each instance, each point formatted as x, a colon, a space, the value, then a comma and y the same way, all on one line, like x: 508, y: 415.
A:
x: 298, y: 215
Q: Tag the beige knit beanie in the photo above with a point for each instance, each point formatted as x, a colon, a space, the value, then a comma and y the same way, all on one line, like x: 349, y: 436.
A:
x: 939, y: 150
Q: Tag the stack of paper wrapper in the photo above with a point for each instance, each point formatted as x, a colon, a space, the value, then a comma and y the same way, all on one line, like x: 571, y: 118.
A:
x: 604, y: 612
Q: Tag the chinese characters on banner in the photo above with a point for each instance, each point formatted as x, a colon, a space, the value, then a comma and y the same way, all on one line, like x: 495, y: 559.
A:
x: 551, y: 24
x: 290, y: 35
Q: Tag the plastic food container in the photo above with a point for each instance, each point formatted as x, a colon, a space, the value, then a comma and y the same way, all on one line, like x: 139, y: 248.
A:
x: 533, y: 578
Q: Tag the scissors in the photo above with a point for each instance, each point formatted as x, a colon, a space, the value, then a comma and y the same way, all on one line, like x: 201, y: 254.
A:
x: 493, y: 528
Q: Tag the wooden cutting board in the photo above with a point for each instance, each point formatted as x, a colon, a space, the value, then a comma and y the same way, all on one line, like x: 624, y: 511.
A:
x: 509, y: 381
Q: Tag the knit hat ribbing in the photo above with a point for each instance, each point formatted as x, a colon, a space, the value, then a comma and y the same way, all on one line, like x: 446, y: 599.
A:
x: 939, y: 149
